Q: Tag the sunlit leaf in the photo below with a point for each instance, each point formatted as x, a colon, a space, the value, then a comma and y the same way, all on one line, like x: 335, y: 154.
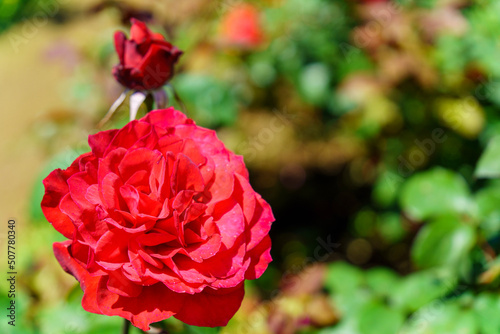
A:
x: 382, y: 281
x: 433, y: 193
x: 423, y: 287
x: 488, y: 165
x: 444, y: 241
x: 486, y: 309
x: 442, y: 316
x: 376, y: 318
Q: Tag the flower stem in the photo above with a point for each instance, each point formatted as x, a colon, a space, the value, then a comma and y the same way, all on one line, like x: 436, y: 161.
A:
x: 126, y: 326
x: 179, y: 100
x: 149, y: 102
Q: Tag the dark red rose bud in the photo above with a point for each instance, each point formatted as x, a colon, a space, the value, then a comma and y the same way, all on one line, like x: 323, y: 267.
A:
x: 146, y: 59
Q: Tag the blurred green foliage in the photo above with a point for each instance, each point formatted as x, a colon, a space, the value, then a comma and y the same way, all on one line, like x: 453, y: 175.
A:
x: 13, y: 11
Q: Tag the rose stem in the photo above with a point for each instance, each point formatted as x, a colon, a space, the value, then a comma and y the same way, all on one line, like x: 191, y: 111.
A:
x: 126, y: 326
x: 149, y: 102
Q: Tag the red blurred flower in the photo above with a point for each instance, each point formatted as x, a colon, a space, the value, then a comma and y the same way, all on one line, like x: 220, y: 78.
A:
x: 162, y: 222
x: 241, y: 27
x: 146, y: 60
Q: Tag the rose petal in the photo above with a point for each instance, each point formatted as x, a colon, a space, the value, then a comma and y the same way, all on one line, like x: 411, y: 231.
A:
x: 127, y: 136
x: 165, y: 118
x: 186, y: 176
x: 154, y: 68
x: 55, y: 189
x: 261, y: 257
x: 87, y: 222
x: 204, y: 250
x: 118, y: 283
x: 140, y: 181
x: 112, y: 249
x: 110, y: 188
x: 229, y: 219
x: 211, y: 308
x: 137, y: 159
x: 78, y: 185
x: 120, y: 39
x: 261, y: 223
x: 139, y: 32
x: 100, y: 141
x: 155, y: 303
x: 87, y: 283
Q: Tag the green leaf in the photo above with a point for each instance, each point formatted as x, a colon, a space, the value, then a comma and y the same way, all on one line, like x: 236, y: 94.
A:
x: 344, y: 327
x: 433, y: 193
x: 72, y: 318
x: 364, y: 222
x: 386, y: 188
x: 263, y: 73
x: 421, y: 288
x: 390, y: 227
x: 208, y: 100
x: 23, y: 323
x: 444, y: 241
x: 442, y: 317
x: 382, y: 281
x: 486, y: 309
x: 314, y: 81
x: 343, y: 277
x: 488, y: 165
x: 375, y: 318
x: 346, y: 283
x: 487, y: 200
x: 201, y: 330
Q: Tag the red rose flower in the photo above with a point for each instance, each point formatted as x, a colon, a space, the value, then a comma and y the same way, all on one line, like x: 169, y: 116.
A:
x: 162, y: 222
x: 241, y: 27
x: 146, y: 60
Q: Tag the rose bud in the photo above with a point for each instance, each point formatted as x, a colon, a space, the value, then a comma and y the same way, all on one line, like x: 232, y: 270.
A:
x: 146, y: 59
x: 161, y: 221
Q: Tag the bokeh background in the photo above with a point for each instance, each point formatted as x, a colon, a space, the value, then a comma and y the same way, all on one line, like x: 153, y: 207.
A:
x: 371, y: 127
